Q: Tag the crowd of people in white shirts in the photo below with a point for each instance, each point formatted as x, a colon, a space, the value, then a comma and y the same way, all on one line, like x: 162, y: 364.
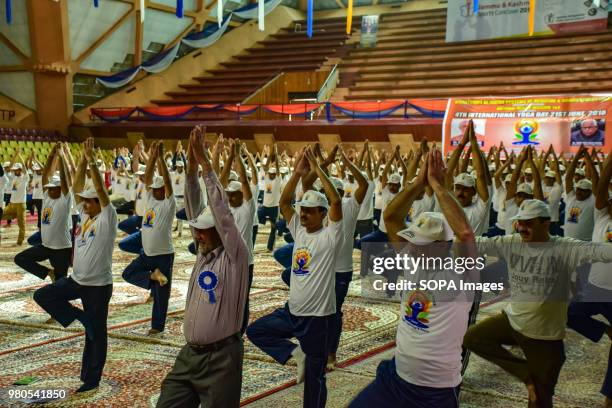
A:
x: 324, y: 205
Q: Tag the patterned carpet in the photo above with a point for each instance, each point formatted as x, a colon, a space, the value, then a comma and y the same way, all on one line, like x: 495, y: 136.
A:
x: 137, y: 363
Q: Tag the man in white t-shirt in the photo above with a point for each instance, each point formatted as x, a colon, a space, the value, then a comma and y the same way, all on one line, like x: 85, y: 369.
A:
x: 4, y: 184
x: 552, y: 195
x: 351, y: 207
x: 56, y: 224
x: 272, y: 192
x: 152, y: 270
x: 178, y: 185
x: 309, y: 313
x: 16, y: 209
x: 37, y: 190
x: 91, y: 279
x: 579, y: 201
x: 426, y: 368
x: 597, y: 296
x: 540, y: 267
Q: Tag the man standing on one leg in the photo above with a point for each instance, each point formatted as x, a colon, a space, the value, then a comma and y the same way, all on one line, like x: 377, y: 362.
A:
x: 19, y: 185
x: 272, y: 193
x: 208, y: 369
x: 56, y: 223
x: 152, y: 270
x: 91, y: 279
x: 344, y: 264
x: 310, y: 312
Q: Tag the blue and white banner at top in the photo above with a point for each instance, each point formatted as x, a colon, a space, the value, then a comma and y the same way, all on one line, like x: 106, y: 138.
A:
x: 208, y: 36
x: 309, y: 18
x: 251, y: 11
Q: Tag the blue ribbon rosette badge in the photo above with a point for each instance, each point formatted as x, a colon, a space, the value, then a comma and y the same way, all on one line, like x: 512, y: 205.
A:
x: 208, y: 282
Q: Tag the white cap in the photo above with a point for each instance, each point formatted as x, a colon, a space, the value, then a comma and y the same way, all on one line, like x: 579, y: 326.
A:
x: 580, y: 172
x: 233, y: 176
x: 284, y: 170
x: 204, y: 221
x: 333, y: 170
x: 561, y: 168
x: 491, y: 167
x: 258, y: 164
x: 531, y: 209
x: 17, y: 166
x: 528, y: 170
x: 179, y: 163
x: 233, y: 186
x: 394, y: 179
x: 466, y: 180
x: 6, y: 164
x: 337, y: 183
x: 55, y: 181
x: 169, y: 162
x: 313, y: 198
x: 426, y: 228
x: 470, y: 169
x: 158, y: 182
x: 89, y: 193
x: 249, y: 173
x: 584, y: 184
x: 317, y: 185
x: 550, y: 174
x: 141, y: 170
x: 272, y: 170
x: 525, y: 188
x: 512, y: 166
x: 36, y: 167
x: 508, y: 178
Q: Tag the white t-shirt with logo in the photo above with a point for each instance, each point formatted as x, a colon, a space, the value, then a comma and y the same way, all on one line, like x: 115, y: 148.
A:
x: 313, y: 278
x: 552, y: 196
x: 93, y: 248
x: 539, y: 276
x: 178, y: 183
x: 156, y: 227
x: 476, y: 214
x: 56, y: 221
x: 378, y: 201
x: 255, y: 193
x: 430, y: 334
x: 350, y: 211
x: 420, y: 206
x: 19, y: 187
x: 366, y: 211
x: 579, y: 217
x: 601, y: 273
x: 350, y: 188
x: 37, y: 188
x: 243, y: 216
x: 272, y: 191
x: 387, y: 196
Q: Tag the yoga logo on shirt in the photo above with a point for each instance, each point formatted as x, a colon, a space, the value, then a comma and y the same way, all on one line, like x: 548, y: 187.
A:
x: 45, y: 218
x: 608, y: 235
x: 14, y: 186
x: 574, y: 215
x: 149, y: 218
x: 269, y: 188
x: 178, y: 181
x: 301, y: 261
x: 416, y: 310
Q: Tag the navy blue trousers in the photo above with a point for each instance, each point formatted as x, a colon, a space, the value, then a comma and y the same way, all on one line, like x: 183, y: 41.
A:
x: 272, y: 214
x: 343, y: 280
x: 271, y: 334
x: 594, y: 301
x: 376, y: 236
x: 58, y: 258
x: 131, y: 224
x: 55, y: 299
x: 138, y: 273
x: 390, y: 390
x: 132, y: 243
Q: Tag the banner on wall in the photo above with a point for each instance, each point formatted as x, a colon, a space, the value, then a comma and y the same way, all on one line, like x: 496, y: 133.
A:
x: 563, y: 121
x: 510, y: 18
x: 369, y: 31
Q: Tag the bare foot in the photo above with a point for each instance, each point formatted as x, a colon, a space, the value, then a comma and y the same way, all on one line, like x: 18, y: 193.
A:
x: 50, y: 321
x: 153, y: 332
x: 607, y: 403
x: 159, y: 277
x: 331, y: 361
x: 149, y: 299
x: 609, y: 332
x: 52, y: 275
